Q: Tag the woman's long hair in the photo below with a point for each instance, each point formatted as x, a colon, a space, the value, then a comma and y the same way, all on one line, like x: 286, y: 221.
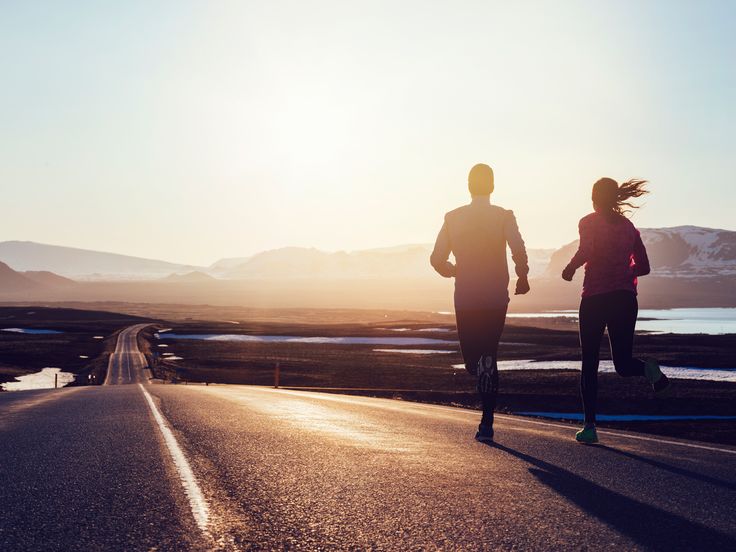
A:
x: 610, y: 197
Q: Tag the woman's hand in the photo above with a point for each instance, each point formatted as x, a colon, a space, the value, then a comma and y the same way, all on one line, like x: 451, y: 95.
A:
x: 568, y: 273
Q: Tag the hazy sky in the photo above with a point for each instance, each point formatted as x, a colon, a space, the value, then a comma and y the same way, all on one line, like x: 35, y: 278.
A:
x: 191, y: 131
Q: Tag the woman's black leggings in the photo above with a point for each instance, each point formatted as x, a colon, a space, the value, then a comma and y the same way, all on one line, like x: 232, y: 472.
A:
x: 616, y: 311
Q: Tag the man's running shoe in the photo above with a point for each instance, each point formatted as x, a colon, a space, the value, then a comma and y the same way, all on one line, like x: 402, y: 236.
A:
x: 486, y: 369
x: 587, y: 436
x: 659, y: 382
x: 484, y: 434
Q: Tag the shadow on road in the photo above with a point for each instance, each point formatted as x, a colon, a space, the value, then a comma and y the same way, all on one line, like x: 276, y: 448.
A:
x: 674, y: 469
x: 647, y: 525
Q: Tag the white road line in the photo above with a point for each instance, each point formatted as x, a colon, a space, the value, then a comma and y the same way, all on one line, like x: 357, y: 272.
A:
x: 665, y: 441
x: 475, y: 413
x: 197, y: 502
x: 637, y: 437
x: 108, y: 377
x: 618, y: 434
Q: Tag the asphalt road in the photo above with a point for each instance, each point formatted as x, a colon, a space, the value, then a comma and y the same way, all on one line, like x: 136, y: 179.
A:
x: 173, y: 467
x: 127, y: 363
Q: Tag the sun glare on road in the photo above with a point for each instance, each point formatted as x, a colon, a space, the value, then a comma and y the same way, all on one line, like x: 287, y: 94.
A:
x: 343, y: 426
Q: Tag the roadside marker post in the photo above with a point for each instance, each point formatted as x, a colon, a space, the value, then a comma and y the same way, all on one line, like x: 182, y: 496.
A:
x: 56, y: 381
x: 276, y: 375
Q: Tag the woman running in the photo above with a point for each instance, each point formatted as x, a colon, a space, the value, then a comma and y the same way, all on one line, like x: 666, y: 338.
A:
x: 614, y: 256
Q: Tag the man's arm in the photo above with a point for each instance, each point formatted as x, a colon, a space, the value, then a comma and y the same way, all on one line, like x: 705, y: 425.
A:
x: 441, y: 253
x: 518, y: 253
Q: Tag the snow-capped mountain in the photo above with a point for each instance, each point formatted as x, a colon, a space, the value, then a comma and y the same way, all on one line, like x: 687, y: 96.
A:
x: 680, y: 251
x: 691, y: 251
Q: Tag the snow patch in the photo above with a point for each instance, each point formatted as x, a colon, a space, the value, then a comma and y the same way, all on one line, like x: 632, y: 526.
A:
x: 40, y: 380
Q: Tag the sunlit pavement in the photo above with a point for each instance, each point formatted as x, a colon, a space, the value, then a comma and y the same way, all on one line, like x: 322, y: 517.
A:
x: 93, y: 468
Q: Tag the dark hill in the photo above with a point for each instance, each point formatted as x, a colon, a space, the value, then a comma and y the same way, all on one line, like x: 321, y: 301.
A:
x: 14, y: 282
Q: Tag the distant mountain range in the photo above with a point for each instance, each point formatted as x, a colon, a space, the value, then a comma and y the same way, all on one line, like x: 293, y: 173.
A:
x: 288, y: 263
x: 405, y: 261
x: 304, y: 263
x: 12, y: 281
x: 189, y: 277
x: 84, y: 264
x: 682, y: 251
x: 691, y: 266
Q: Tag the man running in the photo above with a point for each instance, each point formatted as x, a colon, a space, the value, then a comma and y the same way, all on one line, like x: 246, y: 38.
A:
x: 477, y: 234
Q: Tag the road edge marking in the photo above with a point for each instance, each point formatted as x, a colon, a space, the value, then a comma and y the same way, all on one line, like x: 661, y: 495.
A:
x: 197, y: 502
x: 509, y: 417
x: 631, y: 435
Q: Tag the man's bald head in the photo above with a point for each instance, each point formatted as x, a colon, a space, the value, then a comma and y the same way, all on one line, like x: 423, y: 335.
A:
x: 480, y: 180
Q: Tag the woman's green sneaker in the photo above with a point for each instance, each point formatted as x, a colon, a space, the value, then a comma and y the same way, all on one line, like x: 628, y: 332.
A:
x: 587, y: 436
x: 659, y: 382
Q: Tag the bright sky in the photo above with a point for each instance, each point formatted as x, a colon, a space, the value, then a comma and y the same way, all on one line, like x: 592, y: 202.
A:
x: 191, y: 131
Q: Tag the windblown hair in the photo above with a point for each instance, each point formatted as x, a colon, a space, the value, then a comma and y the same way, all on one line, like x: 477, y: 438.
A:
x: 609, y: 196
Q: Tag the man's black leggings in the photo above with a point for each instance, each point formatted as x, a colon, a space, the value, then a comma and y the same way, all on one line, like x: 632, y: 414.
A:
x: 616, y: 311
x: 480, y: 332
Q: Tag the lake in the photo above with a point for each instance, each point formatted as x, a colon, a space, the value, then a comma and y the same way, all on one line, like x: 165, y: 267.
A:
x: 313, y: 340
x: 713, y: 321
x: 30, y: 331
x: 606, y: 367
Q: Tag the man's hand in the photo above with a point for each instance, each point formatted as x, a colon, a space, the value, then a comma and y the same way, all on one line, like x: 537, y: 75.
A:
x: 522, y: 286
x: 568, y: 273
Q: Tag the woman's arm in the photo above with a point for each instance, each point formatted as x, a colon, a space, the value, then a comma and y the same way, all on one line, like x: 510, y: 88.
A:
x: 641, y: 260
x: 582, y: 255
